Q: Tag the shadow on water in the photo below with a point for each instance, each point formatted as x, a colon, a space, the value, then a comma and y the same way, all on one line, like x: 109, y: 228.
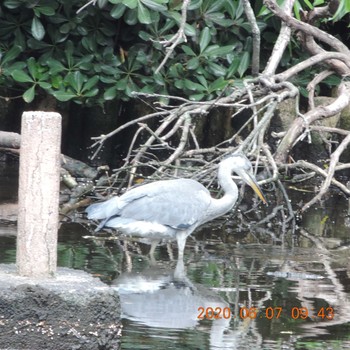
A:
x: 235, y: 290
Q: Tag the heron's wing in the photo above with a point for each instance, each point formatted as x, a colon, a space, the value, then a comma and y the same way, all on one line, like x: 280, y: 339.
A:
x: 176, y: 203
x: 99, y: 211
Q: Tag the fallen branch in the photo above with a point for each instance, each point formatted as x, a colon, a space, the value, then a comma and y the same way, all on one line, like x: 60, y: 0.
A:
x: 331, y: 169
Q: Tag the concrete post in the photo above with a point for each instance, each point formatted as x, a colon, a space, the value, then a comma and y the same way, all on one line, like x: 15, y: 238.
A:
x: 38, y: 196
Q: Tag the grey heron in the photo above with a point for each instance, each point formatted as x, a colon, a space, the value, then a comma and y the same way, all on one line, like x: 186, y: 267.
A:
x: 173, y: 209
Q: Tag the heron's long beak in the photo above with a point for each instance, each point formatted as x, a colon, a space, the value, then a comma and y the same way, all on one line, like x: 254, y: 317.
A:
x: 251, y: 181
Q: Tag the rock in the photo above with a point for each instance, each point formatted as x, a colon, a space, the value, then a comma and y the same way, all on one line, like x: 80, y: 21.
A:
x: 71, y: 311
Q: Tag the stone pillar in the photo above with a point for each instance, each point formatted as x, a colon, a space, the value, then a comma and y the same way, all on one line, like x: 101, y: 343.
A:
x: 38, y: 194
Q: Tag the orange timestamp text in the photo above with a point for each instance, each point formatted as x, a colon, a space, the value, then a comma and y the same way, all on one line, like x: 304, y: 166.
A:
x: 322, y: 313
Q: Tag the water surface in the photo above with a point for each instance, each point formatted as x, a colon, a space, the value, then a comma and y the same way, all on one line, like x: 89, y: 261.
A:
x: 237, y: 289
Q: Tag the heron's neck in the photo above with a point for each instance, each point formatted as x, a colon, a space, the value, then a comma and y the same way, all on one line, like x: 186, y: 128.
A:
x: 222, y: 205
x: 227, y: 184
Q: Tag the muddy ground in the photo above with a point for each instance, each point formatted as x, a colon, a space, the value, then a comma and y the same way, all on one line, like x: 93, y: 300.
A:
x: 81, y: 315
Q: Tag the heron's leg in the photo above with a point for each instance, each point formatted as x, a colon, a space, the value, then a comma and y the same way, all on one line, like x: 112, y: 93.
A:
x: 181, y: 242
x: 127, y: 257
x: 180, y: 272
x: 152, y: 250
x: 171, y: 253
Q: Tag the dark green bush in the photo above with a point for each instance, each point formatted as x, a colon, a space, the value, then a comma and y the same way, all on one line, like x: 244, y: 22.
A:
x: 112, y: 49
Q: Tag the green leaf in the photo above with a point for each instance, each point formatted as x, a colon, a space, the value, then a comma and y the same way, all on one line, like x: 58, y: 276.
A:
x: 11, y: 54
x: 102, y: 3
x: 263, y: 11
x: 56, y: 81
x: 179, y: 84
x: 203, y: 81
x: 174, y: 71
x: 153, y: 5
x: 216, y: 6
x: 18, y: 65
x: 63, y: 96
x: 117, y: 11
x: 297, y: 8
x: 90, y: 83
x: 221, y: 20
x: 218, y: 84
x: 238, y: 84
x: 65, y: 28
x: 188, y: 51
x: 231, y: 8
x: 145, y: 36
x: 158, y: 79
x: 110, y: 93
x: 130, y: 17
x: 193, y: 63
x: 76, y: 81
x: 219, y: 51
x: 332, y: 80
x: 308, y: 4
x: 196, y: 97
x: 32, y: 67
x: 216, y: 69
x: 143, y: 14
x: 193, y: 4
x: 108, y: 79
x: 12, y: 4
x: 194, y: 86
x: 89, y: 43
x: 37, y: 29
x: 233, y: 67
x: 343, y: 9
x: 121, y: 84
x: 240, y: 9
x: 244, y: 64
x: 91, y: 93
x: 44, y: 85
x: 20, y: 39
x: 204, y: 39
x: 132, y: 4
x: 29, y: 94
x: 304, y: 91
x: 55, y: 66
x: 190, y: 30
x: 46, y: 10
x: 21, y: 76
x: 69, y: 49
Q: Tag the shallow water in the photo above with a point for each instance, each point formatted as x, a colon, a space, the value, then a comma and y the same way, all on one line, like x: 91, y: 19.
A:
x: 268, y: 293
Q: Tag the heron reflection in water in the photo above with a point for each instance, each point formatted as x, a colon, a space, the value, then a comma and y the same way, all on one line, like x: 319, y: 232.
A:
x: 173, y: 209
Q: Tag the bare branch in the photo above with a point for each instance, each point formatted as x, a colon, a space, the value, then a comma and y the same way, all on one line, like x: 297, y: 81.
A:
x: 300, y: 123
x: 312, y: 85
x: 91, y: 2
x: 306, y: 165
x: 307, y: 28
x: 334, y: 161
x: 310, y: 62
x: 280, y: 45
x: 256, y: 37
x: 176, y: 39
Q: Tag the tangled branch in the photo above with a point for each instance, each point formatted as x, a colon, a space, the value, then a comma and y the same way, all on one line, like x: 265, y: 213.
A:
x: 169, y: 142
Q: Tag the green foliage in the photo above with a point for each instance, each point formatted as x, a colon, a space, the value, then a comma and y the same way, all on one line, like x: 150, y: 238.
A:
x: 113, y: 49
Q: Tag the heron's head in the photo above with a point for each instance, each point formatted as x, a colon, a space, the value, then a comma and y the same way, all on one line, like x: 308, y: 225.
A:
x: 240, y: 164
x: 239, y: 161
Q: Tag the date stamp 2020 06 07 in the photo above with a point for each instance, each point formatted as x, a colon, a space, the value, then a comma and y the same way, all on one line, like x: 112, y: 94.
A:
x: 323, y: 313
